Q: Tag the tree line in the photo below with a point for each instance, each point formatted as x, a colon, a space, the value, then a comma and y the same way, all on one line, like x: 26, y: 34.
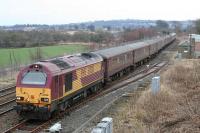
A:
x: 136, y: 34
x: 43, y: 38
x: 17, y: 39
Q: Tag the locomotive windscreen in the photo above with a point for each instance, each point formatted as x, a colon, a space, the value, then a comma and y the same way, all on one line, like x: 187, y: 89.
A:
x: 34, y: 78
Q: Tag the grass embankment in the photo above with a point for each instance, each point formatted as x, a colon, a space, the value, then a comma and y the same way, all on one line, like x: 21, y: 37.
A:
x: 22, y: 55
x: 176, y: 108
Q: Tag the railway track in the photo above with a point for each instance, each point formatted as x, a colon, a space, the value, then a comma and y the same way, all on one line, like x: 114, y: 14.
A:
x: 7, y: 91
x: 34, y: 126
x: 7, y: 97
x: 5, y: 109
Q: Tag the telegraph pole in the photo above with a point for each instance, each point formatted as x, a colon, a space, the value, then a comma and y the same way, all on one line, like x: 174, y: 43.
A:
x: 190, y: 45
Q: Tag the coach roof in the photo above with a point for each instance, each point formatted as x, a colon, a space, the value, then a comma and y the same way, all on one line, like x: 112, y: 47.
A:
x: 111, y: 52
x: 138, y: 45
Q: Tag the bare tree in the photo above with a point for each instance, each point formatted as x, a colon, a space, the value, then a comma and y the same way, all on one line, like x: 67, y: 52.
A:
x: 35, y: 55
x: 11, y: 64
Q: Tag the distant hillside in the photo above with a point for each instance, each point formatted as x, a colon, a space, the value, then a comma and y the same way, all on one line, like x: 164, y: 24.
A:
x: 106, y: 25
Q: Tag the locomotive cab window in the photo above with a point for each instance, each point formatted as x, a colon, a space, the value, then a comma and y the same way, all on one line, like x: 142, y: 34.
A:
x: 34, y: 78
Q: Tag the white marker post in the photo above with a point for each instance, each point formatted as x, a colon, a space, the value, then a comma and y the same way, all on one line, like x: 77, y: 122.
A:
x: 155, y: 85
x: 105, y: 126
x: 56, y: 128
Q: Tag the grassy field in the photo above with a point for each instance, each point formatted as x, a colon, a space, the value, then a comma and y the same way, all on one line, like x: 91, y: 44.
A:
x: 22, y: 55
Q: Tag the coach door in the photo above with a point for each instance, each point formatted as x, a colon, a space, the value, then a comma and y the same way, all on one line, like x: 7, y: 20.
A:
x: 133, y: 56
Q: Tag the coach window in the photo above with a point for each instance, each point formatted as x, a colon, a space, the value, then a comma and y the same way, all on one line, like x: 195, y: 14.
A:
x: 122, y: 58
x: 125, y: 57
x: 68, y: 82
x: 114, y: 60
x: 128, y: 56
x: 118, y: 60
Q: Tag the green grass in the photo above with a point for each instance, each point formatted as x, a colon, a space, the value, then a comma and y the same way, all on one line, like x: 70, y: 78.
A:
x: 22, y: 55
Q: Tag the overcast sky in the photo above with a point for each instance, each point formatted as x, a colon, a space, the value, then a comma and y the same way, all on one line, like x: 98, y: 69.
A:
x: 70, y: 11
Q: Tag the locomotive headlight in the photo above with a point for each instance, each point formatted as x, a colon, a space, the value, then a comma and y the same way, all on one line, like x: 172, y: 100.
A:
x: 45, y: 99
x: 20, y: 98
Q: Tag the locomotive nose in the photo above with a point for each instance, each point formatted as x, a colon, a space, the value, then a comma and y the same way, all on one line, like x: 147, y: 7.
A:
x: 33, y: 95
x: 32, y: 85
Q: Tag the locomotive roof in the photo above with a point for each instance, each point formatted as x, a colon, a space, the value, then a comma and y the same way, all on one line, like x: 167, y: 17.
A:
x: 72, y: 61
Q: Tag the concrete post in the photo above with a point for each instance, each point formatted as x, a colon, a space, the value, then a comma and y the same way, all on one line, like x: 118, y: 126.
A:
x: 155, y: 85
